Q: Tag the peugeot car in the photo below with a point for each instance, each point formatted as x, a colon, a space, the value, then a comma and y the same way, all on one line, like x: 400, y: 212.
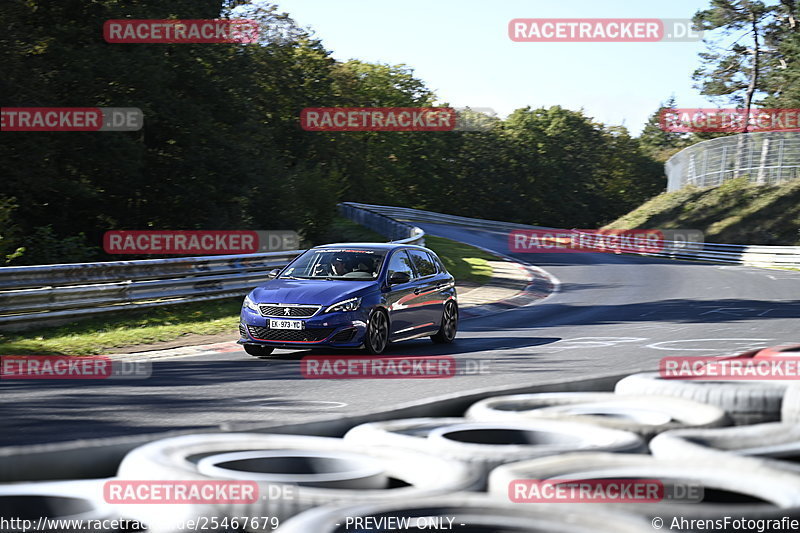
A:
x: 352, y: 296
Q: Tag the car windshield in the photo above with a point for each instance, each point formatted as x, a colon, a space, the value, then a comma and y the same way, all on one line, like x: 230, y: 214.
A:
x: 340, y: 263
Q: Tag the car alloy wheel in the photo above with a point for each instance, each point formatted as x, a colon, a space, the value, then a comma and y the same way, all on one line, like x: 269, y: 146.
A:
x: 447, y: 331
x: 377, y: 333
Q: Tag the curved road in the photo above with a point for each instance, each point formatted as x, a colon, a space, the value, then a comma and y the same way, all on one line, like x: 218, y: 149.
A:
x: 612, y: 314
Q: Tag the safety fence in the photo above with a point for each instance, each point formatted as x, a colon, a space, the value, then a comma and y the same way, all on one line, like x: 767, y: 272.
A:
x: 766, y: 158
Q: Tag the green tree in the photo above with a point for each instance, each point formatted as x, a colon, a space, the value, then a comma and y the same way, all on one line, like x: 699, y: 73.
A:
x: 782, y: 81
x: 656, y: 140
x: 733, y: 72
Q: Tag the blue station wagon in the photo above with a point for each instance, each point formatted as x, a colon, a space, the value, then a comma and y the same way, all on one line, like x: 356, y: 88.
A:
x: 352, y: 295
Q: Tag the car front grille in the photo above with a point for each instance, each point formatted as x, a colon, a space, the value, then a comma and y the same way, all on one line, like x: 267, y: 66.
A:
x: 302, y: 311
x: 289, y: 335
x: 242, y: 331
x: 344, y: 335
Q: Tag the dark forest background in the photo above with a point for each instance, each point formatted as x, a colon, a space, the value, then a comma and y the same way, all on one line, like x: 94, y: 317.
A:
x: 222, y: 147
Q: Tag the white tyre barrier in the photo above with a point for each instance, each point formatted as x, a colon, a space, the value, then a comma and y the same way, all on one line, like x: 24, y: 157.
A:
x: 729, y: 487
x: 404, y: 433
x: 293, y: 473
x: 644, y: 415
x: 306, y: 468
x: 777, y: 443
x: 464, y: 513
x: 23, y: 505
x: 745, y: 402
x: 485, y: 445
x: 790, y: 410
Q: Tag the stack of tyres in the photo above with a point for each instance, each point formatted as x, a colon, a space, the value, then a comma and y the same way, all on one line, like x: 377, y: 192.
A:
x: 486, y: 445
x: 646, y: 416
x: 293, y: 474
x: 461, y: 468
x: 744, y: 401
x: 790, y: 410
x: 776, y: 444
x: 726, y: 486
x: 59, y: 507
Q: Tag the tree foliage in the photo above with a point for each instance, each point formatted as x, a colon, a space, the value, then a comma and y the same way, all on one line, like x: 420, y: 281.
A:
x: 754, y: 54
x: 222, y: 147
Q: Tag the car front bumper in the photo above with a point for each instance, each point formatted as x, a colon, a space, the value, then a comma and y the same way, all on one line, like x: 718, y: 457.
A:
x: 329, y: 330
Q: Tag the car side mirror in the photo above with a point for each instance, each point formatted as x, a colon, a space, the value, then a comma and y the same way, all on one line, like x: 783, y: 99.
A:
x: 399, y: 277
x: 274, y: 273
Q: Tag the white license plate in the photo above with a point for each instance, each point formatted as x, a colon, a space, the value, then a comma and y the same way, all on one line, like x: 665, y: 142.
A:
x: 285, y: 324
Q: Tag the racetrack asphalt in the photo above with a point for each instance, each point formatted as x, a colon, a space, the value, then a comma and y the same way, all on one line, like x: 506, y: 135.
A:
x: 611, y: 314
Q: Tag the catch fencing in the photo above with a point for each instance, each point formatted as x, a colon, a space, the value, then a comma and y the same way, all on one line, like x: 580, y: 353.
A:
x: 765, y: 158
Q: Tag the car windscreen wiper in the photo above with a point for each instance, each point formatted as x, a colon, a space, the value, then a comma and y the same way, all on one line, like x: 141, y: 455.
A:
x: 329, y: 278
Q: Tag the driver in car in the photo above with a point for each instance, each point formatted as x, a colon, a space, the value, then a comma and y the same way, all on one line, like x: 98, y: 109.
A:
x: 337, y: 267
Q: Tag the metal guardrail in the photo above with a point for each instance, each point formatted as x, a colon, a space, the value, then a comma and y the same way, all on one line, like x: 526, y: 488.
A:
x: 766, y: 157
x: 751, y: 255
x: 419, y: 215
x: 58, y: 294
x: 382, y: 223
x: 760, y: 256
x: 32, y: 296
x: 53, y: 294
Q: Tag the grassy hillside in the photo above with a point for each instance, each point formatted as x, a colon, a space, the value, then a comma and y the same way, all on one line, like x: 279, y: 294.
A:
x: 736, y: 212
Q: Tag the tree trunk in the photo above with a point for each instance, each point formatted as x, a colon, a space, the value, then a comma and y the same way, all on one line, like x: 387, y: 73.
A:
x: 743, y: 143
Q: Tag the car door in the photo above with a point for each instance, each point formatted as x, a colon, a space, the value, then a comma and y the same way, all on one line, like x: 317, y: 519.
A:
x: 399, y: 297
x: 429, y: 304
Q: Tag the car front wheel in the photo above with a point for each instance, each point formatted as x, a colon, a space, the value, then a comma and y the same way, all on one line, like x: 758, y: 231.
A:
x: 377, y: 336
x: 447, y: 331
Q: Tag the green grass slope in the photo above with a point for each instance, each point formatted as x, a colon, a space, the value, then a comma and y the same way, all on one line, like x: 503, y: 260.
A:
x: 737, y: 212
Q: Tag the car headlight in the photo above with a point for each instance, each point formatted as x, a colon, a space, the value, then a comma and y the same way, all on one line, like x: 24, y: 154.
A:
x: 345, y: 305
x: 250, y: 304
